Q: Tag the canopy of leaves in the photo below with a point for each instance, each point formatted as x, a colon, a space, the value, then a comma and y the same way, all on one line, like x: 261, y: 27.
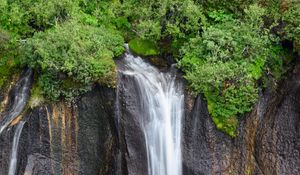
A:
x: 292, y: 19
x: 75, y: 52
x: 25, y: 17
x: 224, y: 47
x: 225, y: 62
x: 172, y: 22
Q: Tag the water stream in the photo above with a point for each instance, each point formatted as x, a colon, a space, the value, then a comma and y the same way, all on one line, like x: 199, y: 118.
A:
x: 21, y: 96
x: 162, y: 105
x: 14, y: 150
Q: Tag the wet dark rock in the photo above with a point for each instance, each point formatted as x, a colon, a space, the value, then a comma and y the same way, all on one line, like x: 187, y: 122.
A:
x: 278, y: 140
x: 61, y: 139
x: 97, y: 131
x: 132, y: 141
x: 6, y: 141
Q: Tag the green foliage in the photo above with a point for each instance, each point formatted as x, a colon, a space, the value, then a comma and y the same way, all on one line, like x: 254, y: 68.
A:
x: 220, y: 16
x: 72, y: 50
x: 227, y: 125
x: 8, y: 67
x: 9, y: 59
x: 224, y: 47
x: 4, y: 74
x: 292, y: 19
x: 143, y: 47
x: 233, y: 6
x: 225, y: 63
x: 4, y: 45
x: 108, y: 13
x: 25, y: 17
x: 36, y: 97
x: 171, y: 21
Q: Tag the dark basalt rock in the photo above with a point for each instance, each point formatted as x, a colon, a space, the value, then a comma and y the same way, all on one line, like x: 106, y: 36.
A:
x: 61, y: 139
x: 277, y: 148
x: 132, y: 141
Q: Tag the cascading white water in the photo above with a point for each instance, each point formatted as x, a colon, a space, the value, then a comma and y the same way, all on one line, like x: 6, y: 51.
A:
x: 14, y: 150
x: 162, y: 105
x: 20, y: 100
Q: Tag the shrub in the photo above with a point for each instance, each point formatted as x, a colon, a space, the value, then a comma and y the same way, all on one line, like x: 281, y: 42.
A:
x: 292, y: 20
x: 73, y: 51
x: 9, y: 58
x: 225, y: 64
x: 25, y: 17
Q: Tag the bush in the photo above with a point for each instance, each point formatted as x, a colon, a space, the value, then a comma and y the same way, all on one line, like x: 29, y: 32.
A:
x: 170, y: 21
x: 292, y: 20
x: 233, y: 6
x: 225, y: 64
x: 72, y: 51
x: 9, y: 58
x: 23, y: 18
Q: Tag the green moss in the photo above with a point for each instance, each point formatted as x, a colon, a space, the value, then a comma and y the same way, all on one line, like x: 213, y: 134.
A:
x: 7, y: 68
x: 227, y: 125
x: 143, y: 47
x: 4, y: 73
x: 110, y: 78
x: 36, y: 97
x: 69, y: 83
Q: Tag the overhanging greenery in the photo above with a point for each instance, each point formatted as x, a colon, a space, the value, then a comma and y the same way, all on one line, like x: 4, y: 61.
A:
x: 225, y: 48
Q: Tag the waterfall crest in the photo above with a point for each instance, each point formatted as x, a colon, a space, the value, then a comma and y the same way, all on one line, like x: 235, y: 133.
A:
x: 162, y: 104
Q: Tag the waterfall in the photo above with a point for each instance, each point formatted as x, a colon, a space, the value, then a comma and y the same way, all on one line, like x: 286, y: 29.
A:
x: 14, y: 150
x: 162, y: 104
x: 21, y: 95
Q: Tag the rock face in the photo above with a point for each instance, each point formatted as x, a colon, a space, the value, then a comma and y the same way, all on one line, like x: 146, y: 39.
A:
x: 60, y: 139
x: 132, y: 140
x: 101, y: 135
x: 268, y: 141
x: 278, y: 140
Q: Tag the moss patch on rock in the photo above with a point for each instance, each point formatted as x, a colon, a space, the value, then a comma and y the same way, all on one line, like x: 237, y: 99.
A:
x: 143, y: 47
x: 36, y: 97
x: 228, y: 125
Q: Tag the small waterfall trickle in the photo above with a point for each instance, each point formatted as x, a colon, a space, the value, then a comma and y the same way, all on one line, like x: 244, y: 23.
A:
x: 14, y: 150
x: 18, y: 99
x: 162, y: 104
x: 21, y: 96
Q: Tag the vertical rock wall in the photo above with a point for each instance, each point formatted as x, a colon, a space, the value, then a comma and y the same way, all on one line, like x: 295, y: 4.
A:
x: 78, y: 139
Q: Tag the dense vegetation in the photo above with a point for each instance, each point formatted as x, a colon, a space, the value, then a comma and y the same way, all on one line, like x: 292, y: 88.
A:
x: 229, y: 50
x: 72, y: 56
